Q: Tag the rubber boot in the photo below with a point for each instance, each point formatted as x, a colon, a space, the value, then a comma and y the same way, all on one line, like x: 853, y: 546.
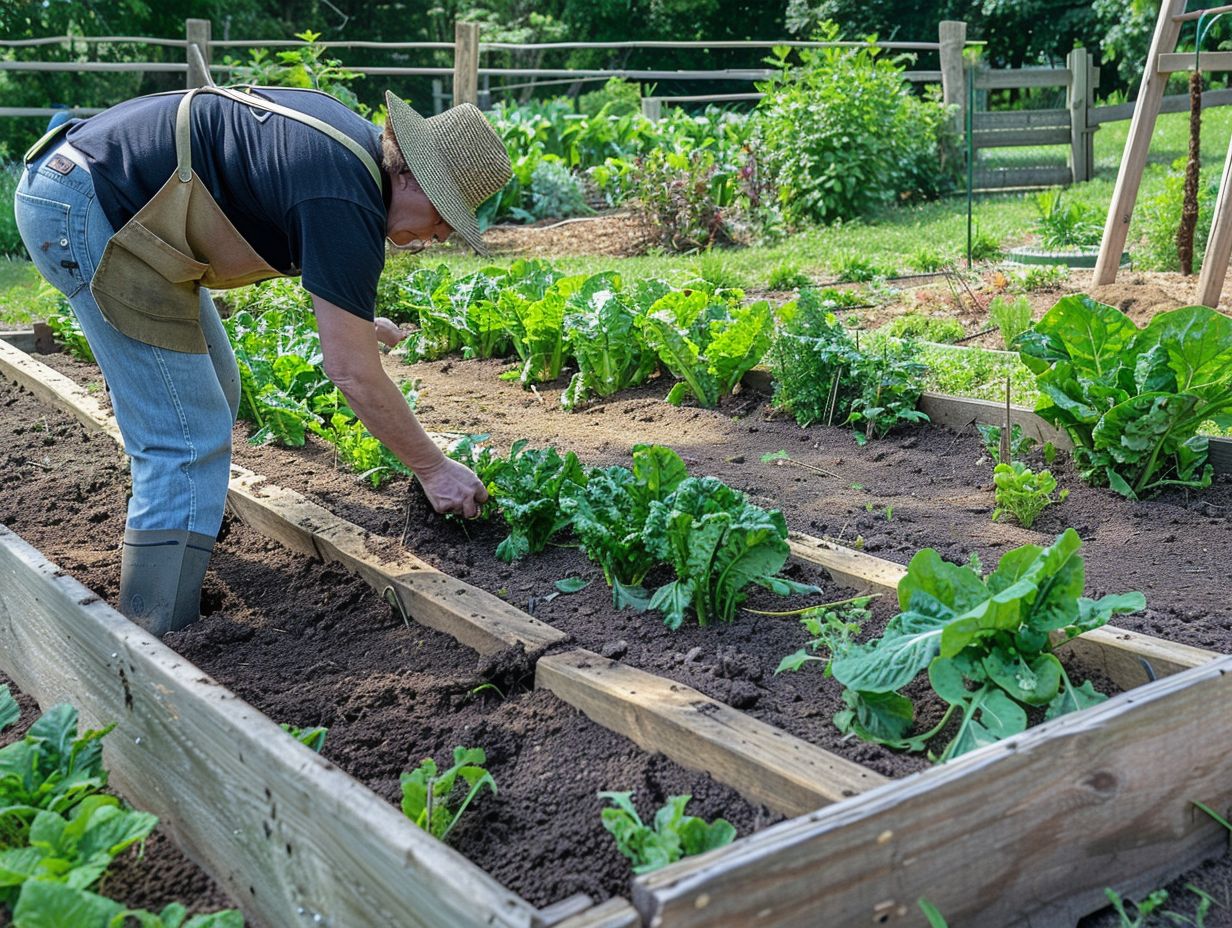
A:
x: 160, y: 578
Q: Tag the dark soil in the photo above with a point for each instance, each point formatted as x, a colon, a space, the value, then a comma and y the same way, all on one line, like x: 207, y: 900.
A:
x: 308, y: 645
x: 929, y: 487
x: 148, y: 879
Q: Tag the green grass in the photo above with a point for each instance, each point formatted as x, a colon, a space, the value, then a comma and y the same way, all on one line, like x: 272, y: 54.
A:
x: 23, y: 295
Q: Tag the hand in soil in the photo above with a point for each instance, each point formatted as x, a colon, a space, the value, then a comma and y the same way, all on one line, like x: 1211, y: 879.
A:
x: 453, y: 489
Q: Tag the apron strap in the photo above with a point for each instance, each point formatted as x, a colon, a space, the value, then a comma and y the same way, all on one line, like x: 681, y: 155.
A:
x: 183, y: 138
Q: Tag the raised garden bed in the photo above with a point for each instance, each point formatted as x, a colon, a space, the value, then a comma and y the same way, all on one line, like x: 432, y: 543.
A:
x: 704, y: 895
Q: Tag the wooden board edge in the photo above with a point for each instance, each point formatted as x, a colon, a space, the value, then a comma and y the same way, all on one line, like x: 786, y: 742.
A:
x: 470, y: 615
x: 616, y: 912
x: 1116, y: 652
x: 282, y: 829
x: 1023, y: 832
x: 763, y: 763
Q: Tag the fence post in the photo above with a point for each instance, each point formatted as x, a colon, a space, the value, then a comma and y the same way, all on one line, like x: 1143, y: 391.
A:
x: 1078, y: 95
x: 652, y: 108
x: 197, y: 31
x: 953, y: 36
x: 465, y: 63
x: 438, y: 95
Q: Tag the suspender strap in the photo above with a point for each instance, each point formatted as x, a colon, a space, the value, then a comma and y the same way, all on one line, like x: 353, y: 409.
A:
x: 183, y: 130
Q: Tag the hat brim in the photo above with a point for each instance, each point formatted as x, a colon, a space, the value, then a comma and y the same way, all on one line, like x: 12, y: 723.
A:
x: 423, y: 157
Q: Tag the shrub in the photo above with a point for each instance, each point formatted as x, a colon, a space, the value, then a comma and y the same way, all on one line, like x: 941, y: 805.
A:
x: 10, y: 240
x: 686, y: 197
x: 842, y: 133
x: 617, y: 97
x: 555, y: 192
x: 1011, y: 317
x: 1061, y: 225
x: 1159, y: 217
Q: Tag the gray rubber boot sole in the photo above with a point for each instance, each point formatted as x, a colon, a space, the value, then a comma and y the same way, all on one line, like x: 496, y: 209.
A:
x: 160, y: 578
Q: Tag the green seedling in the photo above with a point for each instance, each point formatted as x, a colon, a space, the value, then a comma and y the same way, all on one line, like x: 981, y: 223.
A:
x: 831, y: 628
x: 429, y: 798
x: 932, y: 913
x: 309, y: 737
x: 674, y: 835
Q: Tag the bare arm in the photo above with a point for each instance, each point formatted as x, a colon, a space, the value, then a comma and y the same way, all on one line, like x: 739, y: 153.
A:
x: 353, y: 363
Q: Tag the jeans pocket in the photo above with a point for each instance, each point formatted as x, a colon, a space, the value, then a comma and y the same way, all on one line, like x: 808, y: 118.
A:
x: 45, y: 229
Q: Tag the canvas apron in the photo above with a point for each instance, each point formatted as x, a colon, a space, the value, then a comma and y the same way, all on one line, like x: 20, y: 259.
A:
x: 147, y: 282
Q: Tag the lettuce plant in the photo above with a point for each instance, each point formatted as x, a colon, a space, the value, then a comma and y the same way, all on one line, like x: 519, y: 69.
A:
x: 428, y: 795
x: 1132, y: 399
x: 602, y: 326
x: 674, y: 835
x: 985, y: 643
x: 1023, y: 493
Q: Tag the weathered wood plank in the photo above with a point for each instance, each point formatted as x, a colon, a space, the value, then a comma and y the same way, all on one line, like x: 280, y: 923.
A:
x: 1114, y: 651
x: 1006, y: 78
x: 23, y: 340
x: 1187, y: 61
x: 763, y: 763
x: 290, y: 836
x: 1010, y: 138
x: 1022, y: 833
x: 53, y: 387
x: 615, y: 913
x: 960, y: 412
x: 1021, y: 119
x: 472, y: 616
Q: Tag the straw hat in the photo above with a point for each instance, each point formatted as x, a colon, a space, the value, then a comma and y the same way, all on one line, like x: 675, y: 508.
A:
x: 456, y: 158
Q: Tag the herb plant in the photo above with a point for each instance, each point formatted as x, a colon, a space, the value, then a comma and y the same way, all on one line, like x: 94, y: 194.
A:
x: 674, y: 835
x: 1012, y: 317
x: 930, y: 328
x: 1132, y: 399
x: 1023, y: 493
x: 435, y: 800
x: 985, y: 643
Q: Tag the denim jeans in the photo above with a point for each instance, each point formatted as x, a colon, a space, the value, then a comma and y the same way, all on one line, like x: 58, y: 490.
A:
x: 175, y: 410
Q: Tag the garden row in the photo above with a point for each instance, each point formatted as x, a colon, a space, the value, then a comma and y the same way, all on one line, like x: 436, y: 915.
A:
x: 975, y: 726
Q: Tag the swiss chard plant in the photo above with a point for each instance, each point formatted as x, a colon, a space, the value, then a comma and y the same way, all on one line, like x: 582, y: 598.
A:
x: 718, y: 543
x: 609, y: 517
x: 673, y: 836
x: 1132, y: 400
x: 536, y: 325
x: 603, y: 329
x: 985, y: 644
x: 435, y: 799
x: 528, y: 489
x: 706, y: 342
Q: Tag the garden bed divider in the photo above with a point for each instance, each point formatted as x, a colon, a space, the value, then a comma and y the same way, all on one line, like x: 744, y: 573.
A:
x: 617, y: 912
x: 295, y: 840
x: 1024, y: 832
x: 763, y: 763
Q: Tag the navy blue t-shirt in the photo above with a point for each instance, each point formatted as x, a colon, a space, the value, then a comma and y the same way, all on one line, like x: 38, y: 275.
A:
x: 303, y: 202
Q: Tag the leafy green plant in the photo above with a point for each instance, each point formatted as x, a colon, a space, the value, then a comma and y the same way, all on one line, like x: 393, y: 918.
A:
x: 706, y: 342
x: 841, y: 133
x: 1023, y: 493
x: 305, y: 66
x: 609, y: 514
x: 1038, y: 277
x: 1011, y: 317
x: 1061, y: 225
x: 555, y: 192
x: 313, y: 738
x: 930, y: 328
x: 1132, y: 399
x: 1020, y: 444
x: 787, y: 276
x: 932, y: 913
x: 687, y: 197
x: 528, y: 490
x: 674, y: 835
x: 1148, y: 910
x: 603, y: 331
x: 435, y: 800
x: 832, y: 629
x: 985, y: 246
x: 890, y: 388
x: 718, y: 543
x: 985, y: 643
x: 1159, y: 216
x: 617, y: 97
x: 66, y: 330
x: 857, y: 268
x: 926, y: 260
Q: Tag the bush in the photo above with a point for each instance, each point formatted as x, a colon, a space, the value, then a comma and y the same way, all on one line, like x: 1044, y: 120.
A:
x: 1160, y: 216
x: 617, y: 97
x: 687, y: 197
x: 10, y: 240
x: 556, y: 193
x: 842, y: 133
